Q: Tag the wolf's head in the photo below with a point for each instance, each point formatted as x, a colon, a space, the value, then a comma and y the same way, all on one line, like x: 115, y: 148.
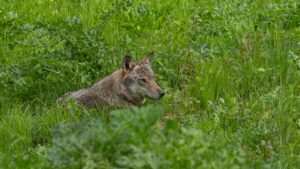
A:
x: 139, y: 78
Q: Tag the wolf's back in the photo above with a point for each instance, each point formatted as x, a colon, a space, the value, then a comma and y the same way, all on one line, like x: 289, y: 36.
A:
x: 71, y: 95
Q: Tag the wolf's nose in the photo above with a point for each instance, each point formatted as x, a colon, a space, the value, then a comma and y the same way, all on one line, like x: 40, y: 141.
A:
x: 161, y: 94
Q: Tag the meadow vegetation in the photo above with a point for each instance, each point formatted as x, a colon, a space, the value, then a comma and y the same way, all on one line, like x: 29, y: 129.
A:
x: 230, y: 71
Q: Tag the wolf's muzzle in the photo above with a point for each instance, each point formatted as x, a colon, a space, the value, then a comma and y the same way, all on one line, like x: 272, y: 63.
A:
x: 161, y: 94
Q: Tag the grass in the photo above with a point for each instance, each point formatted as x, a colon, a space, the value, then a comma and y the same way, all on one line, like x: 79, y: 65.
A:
x: 230, y: 70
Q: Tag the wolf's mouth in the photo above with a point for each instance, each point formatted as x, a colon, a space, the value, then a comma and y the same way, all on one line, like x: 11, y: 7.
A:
x: 153, y: 98
x: 149, y: 97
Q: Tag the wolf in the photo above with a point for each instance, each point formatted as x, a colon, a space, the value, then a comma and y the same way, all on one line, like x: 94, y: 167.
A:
x: 127, y: 86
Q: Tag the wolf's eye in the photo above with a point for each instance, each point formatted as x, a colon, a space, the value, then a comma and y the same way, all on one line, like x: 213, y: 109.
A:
x: 142, y: 80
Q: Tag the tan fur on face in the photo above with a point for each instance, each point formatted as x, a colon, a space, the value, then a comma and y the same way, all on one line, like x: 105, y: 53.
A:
x: 149, y: 88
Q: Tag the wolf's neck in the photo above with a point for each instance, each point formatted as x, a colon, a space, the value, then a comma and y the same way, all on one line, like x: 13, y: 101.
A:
x: 132, y: 99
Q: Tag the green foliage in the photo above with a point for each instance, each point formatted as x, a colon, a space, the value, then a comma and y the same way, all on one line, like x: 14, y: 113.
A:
x: 99, y: 143
x: 135, y: 139
x: 230, y: 71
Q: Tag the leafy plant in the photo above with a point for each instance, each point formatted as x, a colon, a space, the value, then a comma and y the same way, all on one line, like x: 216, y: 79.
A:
x: 134, y: 138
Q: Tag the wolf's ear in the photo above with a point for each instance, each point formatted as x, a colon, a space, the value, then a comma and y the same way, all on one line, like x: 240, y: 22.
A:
x: 128, y: 65
x: 148, y: 59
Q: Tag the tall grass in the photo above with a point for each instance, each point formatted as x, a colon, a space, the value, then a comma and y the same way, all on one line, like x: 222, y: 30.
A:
x: 229, y: 68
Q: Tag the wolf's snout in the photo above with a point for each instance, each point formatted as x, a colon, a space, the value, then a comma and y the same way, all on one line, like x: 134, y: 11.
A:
x: 161, y: 94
